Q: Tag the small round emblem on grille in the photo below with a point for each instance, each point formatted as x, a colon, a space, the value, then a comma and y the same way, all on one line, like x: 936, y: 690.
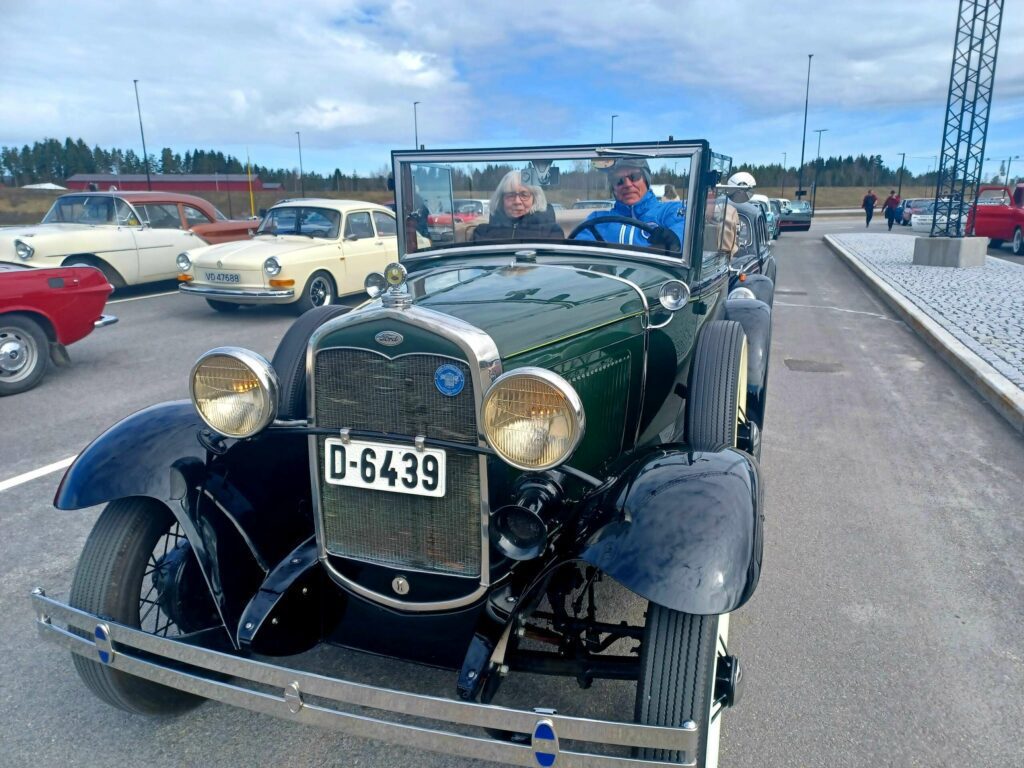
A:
x: 449, y: 380
x: 400, y: 585
x: 389, y: 338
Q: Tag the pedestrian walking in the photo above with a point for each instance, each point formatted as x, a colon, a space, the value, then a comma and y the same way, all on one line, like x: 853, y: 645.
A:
x: 868, y: 205
x: 892, y: 203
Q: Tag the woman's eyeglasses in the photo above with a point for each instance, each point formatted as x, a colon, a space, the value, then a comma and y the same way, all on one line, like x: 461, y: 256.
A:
x: 635, y: 176
x: 524, y: 195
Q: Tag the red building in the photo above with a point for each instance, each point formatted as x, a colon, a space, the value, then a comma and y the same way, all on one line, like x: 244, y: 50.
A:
x: 177, y: 182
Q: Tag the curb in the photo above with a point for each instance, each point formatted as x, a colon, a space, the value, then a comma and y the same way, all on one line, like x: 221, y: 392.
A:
x: 1004, y: 396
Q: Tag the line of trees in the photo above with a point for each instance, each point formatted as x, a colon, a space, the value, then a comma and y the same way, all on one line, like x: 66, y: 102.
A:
x: 54, y: 161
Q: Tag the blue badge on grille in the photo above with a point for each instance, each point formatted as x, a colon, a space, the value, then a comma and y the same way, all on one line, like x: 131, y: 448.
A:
x: 449, y: 380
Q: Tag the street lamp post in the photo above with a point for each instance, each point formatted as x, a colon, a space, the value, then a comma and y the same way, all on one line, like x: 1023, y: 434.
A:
x: 1008, y: 161
x: 416, y: 125
x: 817, y: 165
x: 613, y: 128
x: 145, y: 156
x: 783, y: 175
x: 302, y: 181
x: 903, y: 161
x: 803, y: 143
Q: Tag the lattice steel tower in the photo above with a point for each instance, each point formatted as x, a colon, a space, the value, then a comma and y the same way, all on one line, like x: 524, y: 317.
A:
x: 967, y: 107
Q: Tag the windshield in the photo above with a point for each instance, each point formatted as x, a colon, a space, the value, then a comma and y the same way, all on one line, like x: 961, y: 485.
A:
x: 800, y: 206
x: 516, y: 196
x: 90, y: 209
x: 301, y: 220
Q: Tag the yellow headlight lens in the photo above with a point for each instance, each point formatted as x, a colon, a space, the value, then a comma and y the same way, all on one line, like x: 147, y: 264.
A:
x: 532, y: 418
x: 235, y: 391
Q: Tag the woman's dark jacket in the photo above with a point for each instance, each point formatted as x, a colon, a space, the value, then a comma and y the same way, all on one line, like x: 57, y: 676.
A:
x: 533, y: 226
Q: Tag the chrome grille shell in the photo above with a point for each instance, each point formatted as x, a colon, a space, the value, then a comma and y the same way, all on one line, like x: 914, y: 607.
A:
x: 483, y: 365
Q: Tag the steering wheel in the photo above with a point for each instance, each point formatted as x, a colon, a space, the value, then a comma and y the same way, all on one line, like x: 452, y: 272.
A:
x: 661, y: 237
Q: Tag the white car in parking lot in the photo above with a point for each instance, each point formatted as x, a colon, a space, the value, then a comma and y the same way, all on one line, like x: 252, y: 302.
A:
x: 922, y: 222
x: 306, y: 252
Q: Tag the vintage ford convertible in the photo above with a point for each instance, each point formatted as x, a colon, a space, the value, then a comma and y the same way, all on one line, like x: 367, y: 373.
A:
x: 453, y: 473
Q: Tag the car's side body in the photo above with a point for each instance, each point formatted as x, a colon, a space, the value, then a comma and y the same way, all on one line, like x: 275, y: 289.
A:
x: 442, y: 474
x: 133, y: 237
x: 342, y: 239
x: 65, y: 303
x: 998, y: 214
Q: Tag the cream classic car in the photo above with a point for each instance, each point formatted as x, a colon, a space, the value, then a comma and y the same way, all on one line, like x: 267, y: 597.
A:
x: 307, y: 252
x: 132, y: 237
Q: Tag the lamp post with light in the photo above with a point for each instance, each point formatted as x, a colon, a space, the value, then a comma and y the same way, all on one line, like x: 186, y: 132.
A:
x: 803, y: 142
x: 145, y: 155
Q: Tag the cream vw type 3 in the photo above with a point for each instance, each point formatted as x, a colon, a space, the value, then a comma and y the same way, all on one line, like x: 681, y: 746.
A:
x: 307, y: 252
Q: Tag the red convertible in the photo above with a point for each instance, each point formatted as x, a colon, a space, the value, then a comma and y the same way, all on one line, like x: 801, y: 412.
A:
x: 41, y: 312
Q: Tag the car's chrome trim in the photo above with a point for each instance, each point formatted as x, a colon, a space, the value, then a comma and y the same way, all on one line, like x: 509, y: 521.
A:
x: 235, y: 293
x: 485, y: 366
x: 242, y: 682
x: 104, y: 321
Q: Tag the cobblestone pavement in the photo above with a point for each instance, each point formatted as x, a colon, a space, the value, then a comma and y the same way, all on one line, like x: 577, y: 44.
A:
x: 982, y: 307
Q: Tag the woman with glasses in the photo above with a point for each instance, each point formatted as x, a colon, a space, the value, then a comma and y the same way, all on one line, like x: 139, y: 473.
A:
x: 630, y: 179
x: 519, y: 212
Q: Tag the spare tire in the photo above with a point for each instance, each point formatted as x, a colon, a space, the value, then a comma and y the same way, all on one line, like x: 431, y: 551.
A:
x: 290, y: 359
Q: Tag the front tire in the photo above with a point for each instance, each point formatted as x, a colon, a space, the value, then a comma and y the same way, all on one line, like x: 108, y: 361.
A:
x: 23, y: 353
x: 319, y: 292
x: 111, y: 581
x: 678, y: 662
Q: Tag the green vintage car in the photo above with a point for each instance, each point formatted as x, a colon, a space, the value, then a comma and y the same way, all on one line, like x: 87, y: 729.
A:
x: 530, y: 452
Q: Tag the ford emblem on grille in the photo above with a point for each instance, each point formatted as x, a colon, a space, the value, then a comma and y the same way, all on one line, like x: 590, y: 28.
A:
x: 389, y: 338
x: 449, y: 380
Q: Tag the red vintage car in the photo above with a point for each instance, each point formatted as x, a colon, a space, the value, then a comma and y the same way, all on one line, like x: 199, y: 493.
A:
x: 998, y: 214
x: 41, y: 312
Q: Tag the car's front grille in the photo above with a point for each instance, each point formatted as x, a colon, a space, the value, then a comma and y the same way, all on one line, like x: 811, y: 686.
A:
x: 362, y: 390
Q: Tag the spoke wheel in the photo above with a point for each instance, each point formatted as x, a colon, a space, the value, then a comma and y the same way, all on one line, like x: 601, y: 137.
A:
x: 678, y: 662
x: 319, y: 292
x: 23, y: 353
x: 117, y: 577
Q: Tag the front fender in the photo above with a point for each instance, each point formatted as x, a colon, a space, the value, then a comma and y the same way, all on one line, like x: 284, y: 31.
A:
x: 134, y: 457
x: 681, y: 529
x: 756, y: 318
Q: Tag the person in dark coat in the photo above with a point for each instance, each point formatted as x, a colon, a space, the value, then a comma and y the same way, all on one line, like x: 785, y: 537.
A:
x: 892, y: 202
x: 868, y: 204
x: 519, y: 212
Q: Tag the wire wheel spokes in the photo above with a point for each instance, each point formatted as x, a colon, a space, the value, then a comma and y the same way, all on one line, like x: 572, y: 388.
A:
x: 152, y: 617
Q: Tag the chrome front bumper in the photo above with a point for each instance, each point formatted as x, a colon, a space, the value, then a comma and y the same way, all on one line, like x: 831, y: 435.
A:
x: 237, y: 293
x: 159, y: 659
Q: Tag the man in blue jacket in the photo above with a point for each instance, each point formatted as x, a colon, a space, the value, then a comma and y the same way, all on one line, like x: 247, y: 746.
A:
x: 630, y: 178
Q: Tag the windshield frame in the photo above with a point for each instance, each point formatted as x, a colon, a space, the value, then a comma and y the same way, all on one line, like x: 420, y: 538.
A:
x: 697, y: 151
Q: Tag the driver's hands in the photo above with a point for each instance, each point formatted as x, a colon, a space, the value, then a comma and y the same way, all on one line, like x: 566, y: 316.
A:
x: 665, y: 238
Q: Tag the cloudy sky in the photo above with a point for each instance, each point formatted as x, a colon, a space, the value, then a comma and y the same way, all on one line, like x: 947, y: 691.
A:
x: 345, y: 73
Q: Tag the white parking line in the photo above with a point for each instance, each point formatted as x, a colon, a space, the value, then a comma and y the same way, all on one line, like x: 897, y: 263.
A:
x: 42, y: 471
x: 137, y: 298
x: 838, y: 309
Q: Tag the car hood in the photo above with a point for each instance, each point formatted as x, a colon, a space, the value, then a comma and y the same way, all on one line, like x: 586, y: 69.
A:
x: 246, y: 253
x: 526, y: 307
x: 23, y: 231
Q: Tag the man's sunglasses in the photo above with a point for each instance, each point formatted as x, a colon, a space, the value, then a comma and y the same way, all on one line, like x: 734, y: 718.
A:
x: 635, y: 176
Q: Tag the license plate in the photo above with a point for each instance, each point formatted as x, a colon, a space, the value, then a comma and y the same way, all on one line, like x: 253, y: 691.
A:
x: 222, y: 277
x: 384, y: 467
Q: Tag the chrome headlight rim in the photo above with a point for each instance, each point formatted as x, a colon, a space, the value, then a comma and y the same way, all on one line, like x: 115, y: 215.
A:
x: 673, y: 305
x: 183, y: 262
x: 265, y: 375
x: 565, y: 389
x: 375, y: 284
x: 272, y: 266
x: 24, y: 250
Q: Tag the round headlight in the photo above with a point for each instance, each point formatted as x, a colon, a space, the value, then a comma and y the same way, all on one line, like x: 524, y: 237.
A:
x: 272, y: 266
x: 533, y: 418
x: 184, y: 262
x: 375, y: 284
x: 234, y: 391
x: 673, y: 295
x: 23, y: 249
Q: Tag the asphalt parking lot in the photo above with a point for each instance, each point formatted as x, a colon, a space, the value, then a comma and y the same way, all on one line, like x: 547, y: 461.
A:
x: 887, y: 629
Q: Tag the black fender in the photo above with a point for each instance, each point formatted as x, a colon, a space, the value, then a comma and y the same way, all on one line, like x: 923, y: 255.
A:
x: 763, y: 286
x: 237, y: 532
x: 756, y: 318
x: 681, y: 529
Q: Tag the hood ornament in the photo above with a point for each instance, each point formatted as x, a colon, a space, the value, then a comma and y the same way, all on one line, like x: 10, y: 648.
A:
x: 390, y: 287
